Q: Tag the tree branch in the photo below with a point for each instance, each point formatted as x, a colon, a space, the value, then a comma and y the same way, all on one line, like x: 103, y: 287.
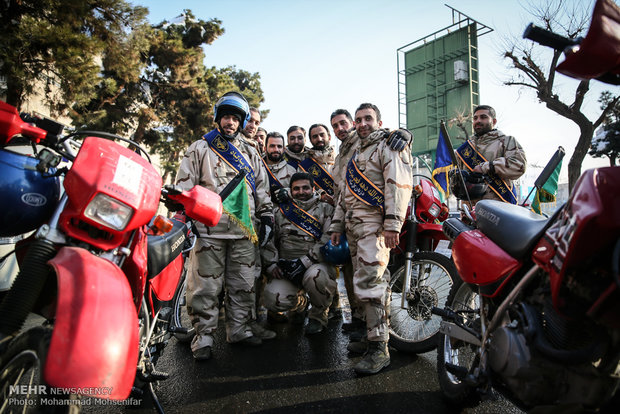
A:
x: 580, y: 94
x: 510, y: 83
x: 610, y: 106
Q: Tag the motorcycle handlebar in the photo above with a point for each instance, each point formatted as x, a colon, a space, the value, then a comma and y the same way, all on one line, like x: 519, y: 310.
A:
x: 548, y: 38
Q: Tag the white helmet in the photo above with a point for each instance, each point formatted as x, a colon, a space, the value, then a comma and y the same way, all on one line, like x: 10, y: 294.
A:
x: 280, y: 295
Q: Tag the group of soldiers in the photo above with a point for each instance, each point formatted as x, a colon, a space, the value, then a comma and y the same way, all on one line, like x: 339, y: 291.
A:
x: 304, y: 201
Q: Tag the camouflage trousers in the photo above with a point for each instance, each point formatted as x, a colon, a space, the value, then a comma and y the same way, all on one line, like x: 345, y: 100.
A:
x: 357, y: 311
x: 214, y: 265
x: 371, y: 276
x: 319, y: 283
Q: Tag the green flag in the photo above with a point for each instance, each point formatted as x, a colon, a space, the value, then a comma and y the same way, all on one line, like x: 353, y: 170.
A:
x: 237, y: 207
x: 547, y: 192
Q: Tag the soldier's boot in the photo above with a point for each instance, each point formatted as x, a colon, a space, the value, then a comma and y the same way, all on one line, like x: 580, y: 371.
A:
x: 359, y: 347
x: 261, y: 331
x: 377, y: 358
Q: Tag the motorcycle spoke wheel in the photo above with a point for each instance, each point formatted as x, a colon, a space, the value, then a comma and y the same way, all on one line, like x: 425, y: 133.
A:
x: 22, y: 389
x: 415, y: 329
x: 180, y: 317
x: 456, y: 353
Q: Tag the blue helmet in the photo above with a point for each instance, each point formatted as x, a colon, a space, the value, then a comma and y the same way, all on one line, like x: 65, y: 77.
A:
x: 232, y: 103
x: 337, y: 254
x: 28, y: 196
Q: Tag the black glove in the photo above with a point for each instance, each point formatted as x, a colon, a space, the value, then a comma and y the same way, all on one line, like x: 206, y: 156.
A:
x: 281, y: 195
x: 399, y: 139
x: 266, y: 230
x: 172, y: 205
x: 293, y: 270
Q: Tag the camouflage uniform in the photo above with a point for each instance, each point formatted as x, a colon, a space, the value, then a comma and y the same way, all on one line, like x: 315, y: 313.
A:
x: 223, y: 257
x: 283, y: 172
x: 364, y: 225
x: 324, y: 157
x: 319, y: 280
x: 347, y: 148
x: 295, y: 156
x: 506, y: 154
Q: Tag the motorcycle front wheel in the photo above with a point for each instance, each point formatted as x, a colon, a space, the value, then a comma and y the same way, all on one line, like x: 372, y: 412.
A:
x: 180, y: 318
x: 456, y: 354
x: 22, y: 388
x: 416, y: 329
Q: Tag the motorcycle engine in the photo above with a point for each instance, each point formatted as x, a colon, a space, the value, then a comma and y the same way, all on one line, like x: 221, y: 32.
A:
x: 538, y: 372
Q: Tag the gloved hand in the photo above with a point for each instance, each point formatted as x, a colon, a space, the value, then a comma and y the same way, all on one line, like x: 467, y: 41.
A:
x: 282, y: 195
x: 399, y: 139
x: 172, y: 205
x: 266, y: 230
x: 293, y: 270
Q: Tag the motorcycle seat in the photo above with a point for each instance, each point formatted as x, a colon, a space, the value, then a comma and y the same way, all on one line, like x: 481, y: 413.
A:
x: 513, y: 228
x: 162, y: 250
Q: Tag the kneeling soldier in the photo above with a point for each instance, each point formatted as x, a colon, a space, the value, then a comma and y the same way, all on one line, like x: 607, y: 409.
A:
x: 294, y: 262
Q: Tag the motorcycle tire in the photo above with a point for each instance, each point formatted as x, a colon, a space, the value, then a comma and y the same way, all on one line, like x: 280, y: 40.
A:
x: 180, y: 318
x: 416, y: 329
x: 459, y: 353
x: 21, y: 365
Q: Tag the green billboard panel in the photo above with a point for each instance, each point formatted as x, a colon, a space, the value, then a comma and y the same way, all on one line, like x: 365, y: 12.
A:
x: 438, y: 80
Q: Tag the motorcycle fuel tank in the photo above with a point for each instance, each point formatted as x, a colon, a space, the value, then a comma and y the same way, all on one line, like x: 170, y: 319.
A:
x: 481, y: 262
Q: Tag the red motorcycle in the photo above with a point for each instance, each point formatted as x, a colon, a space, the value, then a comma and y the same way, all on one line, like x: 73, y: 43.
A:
x: 536, y: 311
x: 100, y: 269
x: 428, y: 273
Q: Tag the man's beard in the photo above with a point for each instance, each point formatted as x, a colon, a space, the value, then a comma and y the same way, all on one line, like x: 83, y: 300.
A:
x: 296, y: 148
x: 275, y: 157
x: 305, y: 197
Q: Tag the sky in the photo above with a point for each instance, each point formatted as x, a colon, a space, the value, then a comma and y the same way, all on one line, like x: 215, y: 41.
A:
x: 317, y: 56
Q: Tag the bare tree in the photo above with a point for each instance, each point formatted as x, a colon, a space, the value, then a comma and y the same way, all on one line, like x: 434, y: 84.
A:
x: 571, y: 20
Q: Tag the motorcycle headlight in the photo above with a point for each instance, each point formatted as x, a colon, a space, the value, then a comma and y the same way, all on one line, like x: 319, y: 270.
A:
x: 108, y: 212
x: 434, y: 210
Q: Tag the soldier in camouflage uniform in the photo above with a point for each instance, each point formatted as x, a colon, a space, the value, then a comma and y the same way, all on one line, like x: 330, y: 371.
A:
x: 342, y: 123
x: 344, y: 129
x: 295, y: 150
x: 371, y: 210
x: 281, y: 171
x: 324, y: 155
x: 294, y: 261
x: 504, y: 156
x: 224, y: 256
x: 260, y: 136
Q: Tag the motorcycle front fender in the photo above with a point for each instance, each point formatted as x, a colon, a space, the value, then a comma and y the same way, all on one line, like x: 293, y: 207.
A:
x: 94, y: 345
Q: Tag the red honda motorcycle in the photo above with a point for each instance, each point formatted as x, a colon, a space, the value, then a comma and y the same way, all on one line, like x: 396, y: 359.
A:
x: 535, y: 314
x: 100, y: 269
x: 428, y: 273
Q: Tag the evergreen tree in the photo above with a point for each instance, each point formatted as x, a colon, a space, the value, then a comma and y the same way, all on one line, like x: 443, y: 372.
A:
x: 606, y: 142
x: 55, y: 45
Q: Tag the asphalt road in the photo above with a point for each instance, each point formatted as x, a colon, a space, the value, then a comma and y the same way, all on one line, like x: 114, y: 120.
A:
x: 298, y: 374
